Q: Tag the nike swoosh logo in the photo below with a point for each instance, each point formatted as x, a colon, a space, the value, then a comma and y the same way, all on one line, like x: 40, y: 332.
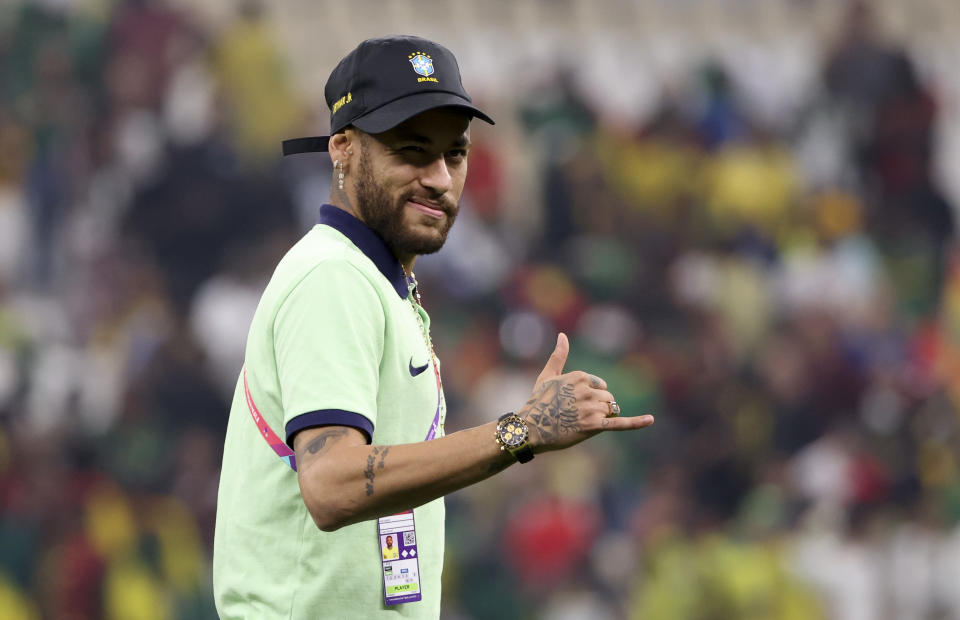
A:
x: 416, y: 370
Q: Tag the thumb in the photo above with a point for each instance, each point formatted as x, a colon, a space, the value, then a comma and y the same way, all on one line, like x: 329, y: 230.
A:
x: 558, y: 358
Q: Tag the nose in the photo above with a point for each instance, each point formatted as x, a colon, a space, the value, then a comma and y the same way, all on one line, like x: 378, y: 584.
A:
x: 436, y: 177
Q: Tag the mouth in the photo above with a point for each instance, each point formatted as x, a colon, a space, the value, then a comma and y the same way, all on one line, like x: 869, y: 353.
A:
x: 429, y: 210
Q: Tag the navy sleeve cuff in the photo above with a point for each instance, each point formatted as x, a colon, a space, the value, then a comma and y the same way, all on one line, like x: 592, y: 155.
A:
x: 328, y: 417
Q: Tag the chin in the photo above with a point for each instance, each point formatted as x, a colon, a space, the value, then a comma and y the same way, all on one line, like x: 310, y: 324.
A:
x: 427, y: 246
x: 421, y: 242
x: 428, y: 237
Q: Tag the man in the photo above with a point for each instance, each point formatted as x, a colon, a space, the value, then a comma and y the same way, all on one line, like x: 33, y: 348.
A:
x: 390, y: 552
x: 340, y: 361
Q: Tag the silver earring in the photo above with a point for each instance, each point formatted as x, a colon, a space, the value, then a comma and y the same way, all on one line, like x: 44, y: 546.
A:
x: 339, y: 166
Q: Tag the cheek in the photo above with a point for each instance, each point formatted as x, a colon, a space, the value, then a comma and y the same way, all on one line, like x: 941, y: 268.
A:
x: 459, y: 180
x: 398, y: 182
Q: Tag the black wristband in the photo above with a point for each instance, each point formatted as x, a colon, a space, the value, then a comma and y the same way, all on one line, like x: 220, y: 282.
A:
x: 524, y: 454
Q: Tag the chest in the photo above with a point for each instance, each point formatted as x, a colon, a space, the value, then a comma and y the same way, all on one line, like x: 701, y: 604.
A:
x: 410, y: 401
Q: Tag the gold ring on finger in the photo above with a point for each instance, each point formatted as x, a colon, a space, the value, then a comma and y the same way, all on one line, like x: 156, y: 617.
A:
x: 614, y: 409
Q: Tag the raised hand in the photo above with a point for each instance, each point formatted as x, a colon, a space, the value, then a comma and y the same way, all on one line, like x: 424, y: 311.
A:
x: 566, y: 408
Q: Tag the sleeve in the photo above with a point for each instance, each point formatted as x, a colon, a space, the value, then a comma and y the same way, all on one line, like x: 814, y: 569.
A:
x: 328, y: 341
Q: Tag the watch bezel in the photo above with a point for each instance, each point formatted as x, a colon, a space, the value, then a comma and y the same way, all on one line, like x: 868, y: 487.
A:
x: 516, y: 440
x: 519, y: 443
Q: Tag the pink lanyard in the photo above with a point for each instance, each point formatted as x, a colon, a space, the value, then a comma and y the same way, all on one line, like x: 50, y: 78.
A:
x: 282, y: 449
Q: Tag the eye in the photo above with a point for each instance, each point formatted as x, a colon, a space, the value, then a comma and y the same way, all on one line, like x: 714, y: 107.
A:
x: 457, y: 154
x: 412, y: 148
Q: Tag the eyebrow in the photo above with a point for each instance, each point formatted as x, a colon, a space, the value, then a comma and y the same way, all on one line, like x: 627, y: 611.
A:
x: 461, y: 141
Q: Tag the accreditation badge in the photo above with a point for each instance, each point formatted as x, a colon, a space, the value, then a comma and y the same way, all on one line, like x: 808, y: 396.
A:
x: 397, y: 537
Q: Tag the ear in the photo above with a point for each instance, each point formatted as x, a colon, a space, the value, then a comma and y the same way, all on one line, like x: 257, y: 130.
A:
x: 341, y: 146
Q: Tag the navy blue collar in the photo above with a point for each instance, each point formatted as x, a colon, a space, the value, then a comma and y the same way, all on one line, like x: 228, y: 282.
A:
x: 369, y: 243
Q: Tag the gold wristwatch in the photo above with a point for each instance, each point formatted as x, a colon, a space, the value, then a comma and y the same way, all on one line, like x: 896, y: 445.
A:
x: 513, y: 436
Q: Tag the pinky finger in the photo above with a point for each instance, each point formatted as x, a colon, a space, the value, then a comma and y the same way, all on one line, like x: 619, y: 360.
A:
x: 627, y: 424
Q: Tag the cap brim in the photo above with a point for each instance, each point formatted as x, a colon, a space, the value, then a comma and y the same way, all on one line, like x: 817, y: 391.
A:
x: 388, y: 116
x: 315, y: 144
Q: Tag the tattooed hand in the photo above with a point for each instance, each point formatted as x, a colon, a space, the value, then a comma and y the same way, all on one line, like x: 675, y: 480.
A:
x: 567, y: 408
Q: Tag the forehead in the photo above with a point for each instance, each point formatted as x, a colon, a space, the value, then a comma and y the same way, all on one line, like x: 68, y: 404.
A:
x: 441, y: 126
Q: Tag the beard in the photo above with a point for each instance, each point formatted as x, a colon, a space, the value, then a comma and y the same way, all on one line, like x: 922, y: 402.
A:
x: 386, y: 216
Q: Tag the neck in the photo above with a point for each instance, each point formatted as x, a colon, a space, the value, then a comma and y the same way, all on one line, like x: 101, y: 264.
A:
x: 341, y: 200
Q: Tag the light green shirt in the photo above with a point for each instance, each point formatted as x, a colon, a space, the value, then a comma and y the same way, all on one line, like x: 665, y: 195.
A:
x: 335, y: 340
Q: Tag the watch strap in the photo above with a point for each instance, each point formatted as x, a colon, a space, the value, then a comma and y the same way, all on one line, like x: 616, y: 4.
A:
x: 524, y: 453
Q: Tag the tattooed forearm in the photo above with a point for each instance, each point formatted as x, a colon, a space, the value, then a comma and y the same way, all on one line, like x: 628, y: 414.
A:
x: 371, y: 460
x: 553, y: 410
x: 499, y: 465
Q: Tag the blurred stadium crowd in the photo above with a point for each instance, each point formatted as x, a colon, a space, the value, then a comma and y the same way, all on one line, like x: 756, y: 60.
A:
x: 784, y: 296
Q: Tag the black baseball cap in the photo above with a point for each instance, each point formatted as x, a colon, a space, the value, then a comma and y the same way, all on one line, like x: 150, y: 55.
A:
x: 385, y: 81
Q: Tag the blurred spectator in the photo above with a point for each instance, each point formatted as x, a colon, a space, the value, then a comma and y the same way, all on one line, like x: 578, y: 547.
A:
x: 255, y: 85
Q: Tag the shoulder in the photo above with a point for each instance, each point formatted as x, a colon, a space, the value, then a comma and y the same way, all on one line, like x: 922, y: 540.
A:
x: 323, y: 263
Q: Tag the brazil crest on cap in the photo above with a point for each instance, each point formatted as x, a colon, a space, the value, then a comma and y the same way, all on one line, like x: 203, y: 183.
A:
x: 422, y: 63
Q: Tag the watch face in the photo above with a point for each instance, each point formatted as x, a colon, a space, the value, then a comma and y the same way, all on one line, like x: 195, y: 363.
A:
x: 513, y: 432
